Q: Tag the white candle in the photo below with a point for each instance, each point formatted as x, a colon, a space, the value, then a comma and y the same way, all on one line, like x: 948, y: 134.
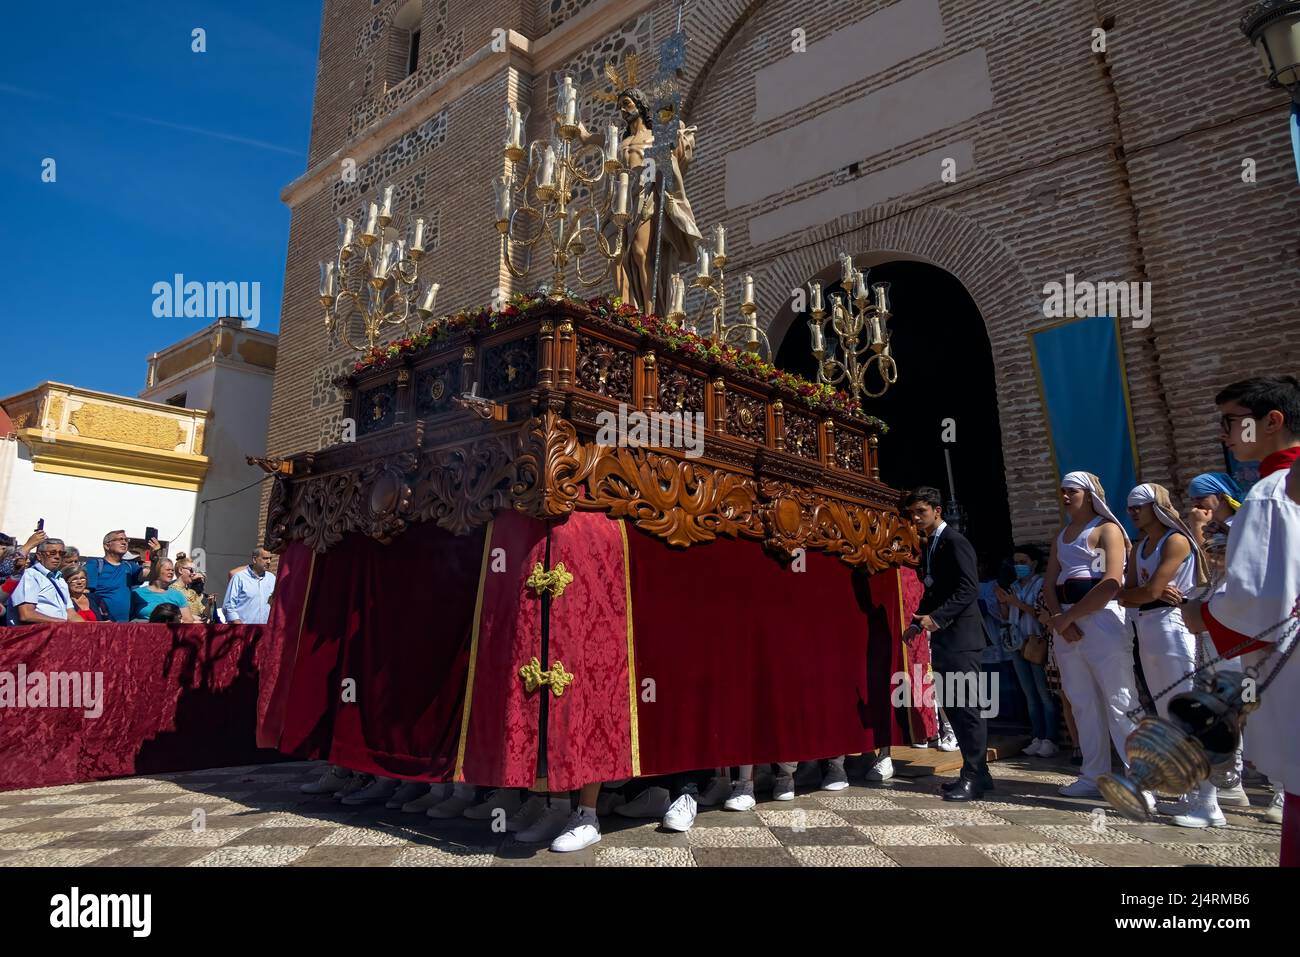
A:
x: 387, y: 209
x: 719, y: 240
x: 372, y: 221
x: 611, y: 143
x: 417, y: 241
x: 859, y: 285
x: 349, y: 232
x: 846, y: 270
x: 385, y: 260
x: 679, y: 296
x: 547, y: 175
x: 749, y: 290
x: 327, y: 280
x: 571, y: 108
x: 503, y: 185
x: 620, y: 195
x: 566, y: 94
x: 882, y: 296
x: 430, y: 294
x: 512, y: 126
x: 703, y: 270
x: 818, y: 340
x: 815, y: 294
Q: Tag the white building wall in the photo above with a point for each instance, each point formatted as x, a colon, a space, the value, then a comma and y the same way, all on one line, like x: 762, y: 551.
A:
x: 81, y: 510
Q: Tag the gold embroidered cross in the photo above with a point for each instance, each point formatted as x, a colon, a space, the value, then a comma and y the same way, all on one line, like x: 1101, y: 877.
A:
x: 534, y: 677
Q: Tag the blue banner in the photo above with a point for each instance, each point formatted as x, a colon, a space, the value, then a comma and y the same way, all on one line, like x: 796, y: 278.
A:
x: 1080, y: 371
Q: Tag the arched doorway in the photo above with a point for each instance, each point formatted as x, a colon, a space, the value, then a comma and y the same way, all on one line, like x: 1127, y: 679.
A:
x: 945, y: 367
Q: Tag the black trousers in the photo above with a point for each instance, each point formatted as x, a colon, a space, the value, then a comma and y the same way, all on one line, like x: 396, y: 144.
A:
x: 959, y: 672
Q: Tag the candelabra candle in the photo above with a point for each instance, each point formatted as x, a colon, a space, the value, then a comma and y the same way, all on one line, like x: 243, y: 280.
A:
x: 748, y: 299
x: 546, y: 174
x: 385, y: 263
x: 371, y: 231
x: 503, y: 185
x: 877, y: 334
x: 611, y: 149
x: 430, y: 295
x: 386, y: 211
x: 719, y: 240
x: 571, y: 108
x: 818, y: 338
x: 846, y: 270
x: 860, y: 287
x: 678, y: 307
x: 328, y: 281
x: 417, y: 239
x: 702, y: 270
x: 621, y: 196
x: 882, y: 297
x: 346, y: 238
x: 511, y: 126
x: 815, y: 295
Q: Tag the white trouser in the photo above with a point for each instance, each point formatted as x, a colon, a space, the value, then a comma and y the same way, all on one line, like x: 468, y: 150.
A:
x: 1097, y: 678
x: 1168, y: 652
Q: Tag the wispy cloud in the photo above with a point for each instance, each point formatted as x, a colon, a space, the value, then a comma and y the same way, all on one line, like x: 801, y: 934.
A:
x: 197, y: 130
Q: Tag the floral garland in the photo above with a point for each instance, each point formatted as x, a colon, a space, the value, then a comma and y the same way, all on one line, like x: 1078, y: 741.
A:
x: 667, y: 335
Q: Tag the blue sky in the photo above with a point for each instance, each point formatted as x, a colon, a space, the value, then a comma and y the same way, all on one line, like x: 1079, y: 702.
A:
x: 168, y: 161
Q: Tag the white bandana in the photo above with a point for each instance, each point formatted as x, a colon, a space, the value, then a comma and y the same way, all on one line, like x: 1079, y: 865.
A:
x: 1084, y: 481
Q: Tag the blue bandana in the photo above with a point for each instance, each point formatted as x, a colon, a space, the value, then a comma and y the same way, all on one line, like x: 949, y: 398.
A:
x: 1215, y: 483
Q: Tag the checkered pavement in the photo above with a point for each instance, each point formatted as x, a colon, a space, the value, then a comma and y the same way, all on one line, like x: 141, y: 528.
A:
x: 256, y: 816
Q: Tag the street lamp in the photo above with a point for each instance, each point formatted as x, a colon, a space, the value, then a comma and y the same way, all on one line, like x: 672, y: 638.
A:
x: 1273, y: 26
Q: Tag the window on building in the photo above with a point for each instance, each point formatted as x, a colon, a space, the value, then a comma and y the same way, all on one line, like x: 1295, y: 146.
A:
x: 413, y: 58
x: 177, y: 400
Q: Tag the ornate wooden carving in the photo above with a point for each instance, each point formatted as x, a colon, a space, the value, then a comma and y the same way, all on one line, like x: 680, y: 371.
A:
x: 760, y: 476
x: 604, y: 368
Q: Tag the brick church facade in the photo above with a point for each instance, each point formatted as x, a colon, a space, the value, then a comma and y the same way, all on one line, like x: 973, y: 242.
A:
x: 1120, y: 164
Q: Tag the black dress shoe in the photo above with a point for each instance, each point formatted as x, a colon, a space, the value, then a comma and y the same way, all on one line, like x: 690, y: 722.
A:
x: 985, y: 783
x: 966, y: 790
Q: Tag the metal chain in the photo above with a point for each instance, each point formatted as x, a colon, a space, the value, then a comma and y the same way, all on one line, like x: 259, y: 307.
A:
x: 1291, y: 623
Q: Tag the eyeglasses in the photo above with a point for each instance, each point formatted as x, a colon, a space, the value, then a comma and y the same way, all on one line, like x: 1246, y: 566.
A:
x: 1225, y: 421
x: 53, y: 551
x: 112, y: 541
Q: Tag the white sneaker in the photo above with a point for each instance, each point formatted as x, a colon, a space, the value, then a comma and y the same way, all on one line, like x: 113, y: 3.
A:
x: 1174, y: 808
x: 1047, y: 749
x: 436, y: 794
x: 380, y: 789
x: 681, y: 814
x: 1201, y: 817
x: 949, y: 742
x: 1080, y: 789
x: 580, y: 830
x: 742, y: 797
x: 783, y: 788
x: 1274, y: 813
x: 1032, y: 747
x: 922, y: 745
x: 504, y: 799
x: 719, y: 790
x: 332, y: 780
x: 652, y: 802
x: 454, y: 806
x: 528, y: 814
x: 409, y: 791
x: 553, y: 822
x: 355, y: 782
x: 882, y: 769
x: 1234, y: 796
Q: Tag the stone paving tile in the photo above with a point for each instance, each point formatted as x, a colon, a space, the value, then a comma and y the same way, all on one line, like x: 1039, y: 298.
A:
x: 1084, y: 834
x: 1004, y: 834
x: 27, y: 841
x: 251, y: 855
x: 842, y: 856
x: 1172, y: 834
x: 641, y: 835
x: 49, y: 824
x: 151, y: 857
x: 444, y: 857
x: 820, y: 836
x: 208, y: 838
x: 30, y: 810
x: 55, y: 800
x: 1133, y: 855
x: 897, y: 836
x: 859, y: 802
x: 743, y: 857
x: 103, y: 810
x: 1037, y: 855
x: 93, y: 838
x: 539, y: 855
x: 956, y: 855
x: 718, y: 818
x: 67, y: 857
x: 1229, y: 855
x: 881, y: 818
x: 322, y: 856
x: 799, y: 817
x: 357, y: 837
x: 1043, y: 816
x: 731, y: 837
x: 644, y: 856
x: 277, y: 836
x: 950, y: 816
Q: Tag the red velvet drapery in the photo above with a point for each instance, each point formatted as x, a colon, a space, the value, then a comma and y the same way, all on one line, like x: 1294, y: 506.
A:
x: 174, y: 698
x: 735, y: 657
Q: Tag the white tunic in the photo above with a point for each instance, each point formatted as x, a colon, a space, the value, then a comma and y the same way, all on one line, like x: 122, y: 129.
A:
x: 1260, y: 587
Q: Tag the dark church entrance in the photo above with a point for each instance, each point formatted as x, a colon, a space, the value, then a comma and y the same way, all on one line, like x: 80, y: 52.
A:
x: 945, y: 372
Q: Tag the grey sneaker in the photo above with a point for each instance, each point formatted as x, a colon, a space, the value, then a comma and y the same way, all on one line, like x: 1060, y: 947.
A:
x: 1274, y: 813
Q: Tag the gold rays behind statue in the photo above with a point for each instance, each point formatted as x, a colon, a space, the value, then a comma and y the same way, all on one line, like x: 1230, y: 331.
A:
x: 617, y: 82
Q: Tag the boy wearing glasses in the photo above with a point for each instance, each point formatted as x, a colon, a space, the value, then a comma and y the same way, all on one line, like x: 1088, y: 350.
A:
x: 42, y: 595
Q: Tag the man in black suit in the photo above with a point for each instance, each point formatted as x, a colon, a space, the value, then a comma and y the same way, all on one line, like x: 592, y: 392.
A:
x: 949, y: 611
